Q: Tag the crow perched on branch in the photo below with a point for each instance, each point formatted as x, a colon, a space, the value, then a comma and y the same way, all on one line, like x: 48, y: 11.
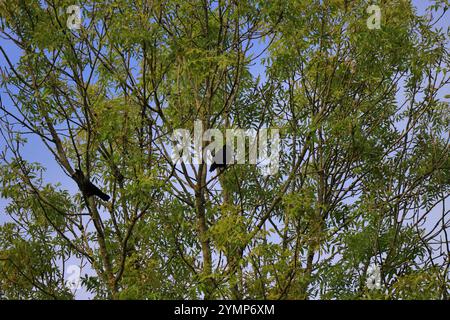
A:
x: 87, y: 187
x: 221, y: 159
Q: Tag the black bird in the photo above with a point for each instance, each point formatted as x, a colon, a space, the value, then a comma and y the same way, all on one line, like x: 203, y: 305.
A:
x: 221, y: 159
x: 87, y: 187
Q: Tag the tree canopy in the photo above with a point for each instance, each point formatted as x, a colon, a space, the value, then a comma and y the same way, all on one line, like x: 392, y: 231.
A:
x: 364, y: 174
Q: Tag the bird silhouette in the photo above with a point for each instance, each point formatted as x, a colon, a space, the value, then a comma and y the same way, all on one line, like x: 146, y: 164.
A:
x: 87, y: 187
x: 221, y: 159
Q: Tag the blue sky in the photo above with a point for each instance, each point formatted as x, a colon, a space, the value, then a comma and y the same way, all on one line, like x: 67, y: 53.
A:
x: 33, y: 151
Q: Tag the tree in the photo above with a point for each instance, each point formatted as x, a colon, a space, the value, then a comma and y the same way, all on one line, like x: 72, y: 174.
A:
x: 364, y: 175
